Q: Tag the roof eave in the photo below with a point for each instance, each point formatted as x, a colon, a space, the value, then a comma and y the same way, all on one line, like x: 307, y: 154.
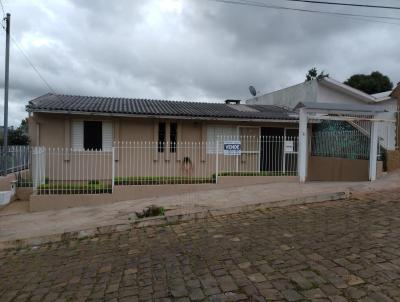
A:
x: 362, y: 96
x: 292, y: 119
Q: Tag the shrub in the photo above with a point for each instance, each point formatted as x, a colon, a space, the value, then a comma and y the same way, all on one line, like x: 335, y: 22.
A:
x: 161, y: 180
x: 74, y: 189
x: 151, y: 211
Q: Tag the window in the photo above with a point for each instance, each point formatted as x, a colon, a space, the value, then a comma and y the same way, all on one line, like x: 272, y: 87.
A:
x: 172, y: 136
x: 161, y: 137
x: 91, y: 135
x: 219, y: 133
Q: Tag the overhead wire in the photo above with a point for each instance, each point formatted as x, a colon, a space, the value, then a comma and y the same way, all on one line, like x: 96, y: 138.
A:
x: 346, y: 4
x: 372, y: 18
x: 36, y: 70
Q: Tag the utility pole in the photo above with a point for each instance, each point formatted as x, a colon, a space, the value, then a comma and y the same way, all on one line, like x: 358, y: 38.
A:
x: 6, y: 81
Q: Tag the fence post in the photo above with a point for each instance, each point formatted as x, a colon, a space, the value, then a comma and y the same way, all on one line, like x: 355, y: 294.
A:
x: 373, y: 151
x: 303, y: 142
x: 112, y: 168
x: 216, y: 161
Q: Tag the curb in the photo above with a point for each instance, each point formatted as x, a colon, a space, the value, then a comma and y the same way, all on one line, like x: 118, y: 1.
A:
x: 168, y: 219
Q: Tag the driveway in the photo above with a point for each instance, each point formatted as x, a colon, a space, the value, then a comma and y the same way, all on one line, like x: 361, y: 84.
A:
x: 331, y: 251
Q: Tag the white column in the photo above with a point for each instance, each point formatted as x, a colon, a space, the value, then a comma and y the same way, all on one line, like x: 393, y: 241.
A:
x: 373, y: 153
x: 303, y: 142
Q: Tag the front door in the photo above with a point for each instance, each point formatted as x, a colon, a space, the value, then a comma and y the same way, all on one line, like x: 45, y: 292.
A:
x: 272, y: 143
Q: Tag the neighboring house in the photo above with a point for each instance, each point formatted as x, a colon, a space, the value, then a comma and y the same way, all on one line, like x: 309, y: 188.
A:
x: 329, y: 90
x: 94, y: 123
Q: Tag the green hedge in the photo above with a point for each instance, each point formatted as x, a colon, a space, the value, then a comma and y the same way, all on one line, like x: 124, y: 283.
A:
x: 161, y: 180
x: 262, y: 173
x: 98, y: 188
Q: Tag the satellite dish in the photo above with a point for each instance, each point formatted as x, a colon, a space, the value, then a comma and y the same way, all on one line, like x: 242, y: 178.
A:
x: 252, y: 90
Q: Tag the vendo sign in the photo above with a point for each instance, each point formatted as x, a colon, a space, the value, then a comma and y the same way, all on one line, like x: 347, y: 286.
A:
x: 232, y: 148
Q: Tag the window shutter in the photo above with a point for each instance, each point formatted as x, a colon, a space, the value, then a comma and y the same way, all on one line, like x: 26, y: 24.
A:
x: 107, y: 136
x: 77, y: 135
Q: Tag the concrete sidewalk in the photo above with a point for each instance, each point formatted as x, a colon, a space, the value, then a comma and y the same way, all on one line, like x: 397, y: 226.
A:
x: 27, y: 225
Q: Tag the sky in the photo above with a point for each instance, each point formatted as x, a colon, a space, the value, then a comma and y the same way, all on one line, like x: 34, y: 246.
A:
x: 192, y: 50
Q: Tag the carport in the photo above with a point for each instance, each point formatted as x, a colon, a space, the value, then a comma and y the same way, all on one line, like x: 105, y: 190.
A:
x: 311, y: 112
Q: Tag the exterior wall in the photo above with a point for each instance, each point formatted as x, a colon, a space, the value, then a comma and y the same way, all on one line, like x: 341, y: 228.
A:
x: 5, y: 182
x: 393, y: 160
x: 136, y: 130
x: 53, y: 130
x: 121, y: 193
x: 137, y: 159
x: 339, y: 169
x: 328, y: 95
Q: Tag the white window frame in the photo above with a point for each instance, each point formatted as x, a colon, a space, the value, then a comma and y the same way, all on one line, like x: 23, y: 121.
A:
x: 81, y: 144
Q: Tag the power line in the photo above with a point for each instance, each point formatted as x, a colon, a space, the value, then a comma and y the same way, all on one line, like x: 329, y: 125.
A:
x: 350, y: 15
x: 32, y: 65
x: 346, y: 4
x: 2, y: 8
x: 28, y: 60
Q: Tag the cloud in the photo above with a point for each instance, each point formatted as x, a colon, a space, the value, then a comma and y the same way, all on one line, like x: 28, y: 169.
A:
x: 184, y: 49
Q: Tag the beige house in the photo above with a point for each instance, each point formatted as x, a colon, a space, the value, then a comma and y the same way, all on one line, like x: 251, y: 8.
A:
x: 176, y: 132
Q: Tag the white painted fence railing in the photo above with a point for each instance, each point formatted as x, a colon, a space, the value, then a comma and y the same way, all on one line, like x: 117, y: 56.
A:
x: 68, y: 171
x: 14, y: 159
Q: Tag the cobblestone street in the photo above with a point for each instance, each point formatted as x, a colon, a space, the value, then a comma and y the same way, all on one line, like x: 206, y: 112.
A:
x: 332, y: 251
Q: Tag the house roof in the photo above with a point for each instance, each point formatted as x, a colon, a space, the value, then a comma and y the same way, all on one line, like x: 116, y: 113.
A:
x: 75, y: 104
x: 382, y: 96
x: 329, y: 82
x: 298, y: 90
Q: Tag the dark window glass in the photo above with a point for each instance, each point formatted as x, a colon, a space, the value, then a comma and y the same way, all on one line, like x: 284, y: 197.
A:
x: 172, y: 137
x: 92, y: 135
x: 161, y: 137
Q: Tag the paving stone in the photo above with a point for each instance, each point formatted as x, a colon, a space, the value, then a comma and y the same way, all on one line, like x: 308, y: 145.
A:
x: 355, y: 293
x: 227, y: 284
x: 302, y: 282
x: 257, y: 277
x: 179, y: 291
x: 292, y: 295
x: 314, y: 293
x: 338, y: 299
x: 379, y: 297
x: 196, y: 294
x: 271, y: 294
x: 244, y: 265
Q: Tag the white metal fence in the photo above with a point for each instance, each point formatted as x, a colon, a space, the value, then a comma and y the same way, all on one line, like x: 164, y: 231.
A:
x: 68, y: 171
x: 14, y: 159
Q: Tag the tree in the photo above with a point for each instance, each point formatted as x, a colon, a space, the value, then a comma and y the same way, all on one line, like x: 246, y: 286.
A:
x: 18, y: 136
x: 374, y: 83
x: 313, y: 74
